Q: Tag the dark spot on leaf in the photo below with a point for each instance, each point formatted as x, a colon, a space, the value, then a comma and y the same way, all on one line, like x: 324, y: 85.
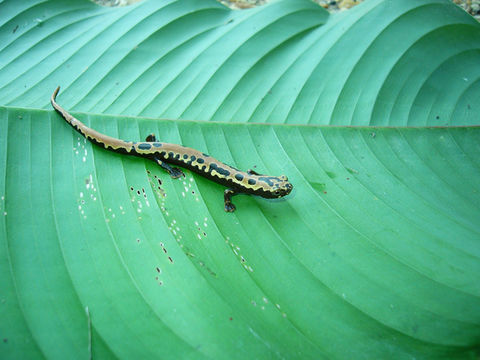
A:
x: 318, y: 186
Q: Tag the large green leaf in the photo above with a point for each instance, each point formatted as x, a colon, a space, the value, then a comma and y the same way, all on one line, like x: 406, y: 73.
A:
x: 374, y: 255
x: 378, y: 247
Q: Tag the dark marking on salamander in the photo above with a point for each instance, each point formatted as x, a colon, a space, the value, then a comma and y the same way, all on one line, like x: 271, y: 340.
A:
x: 268, y: 179
x: 219, y: 169
x: 144, y: 146
x: 238, y: 182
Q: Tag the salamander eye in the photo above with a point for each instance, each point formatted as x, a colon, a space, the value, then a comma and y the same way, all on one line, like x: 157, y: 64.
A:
x: 277, y: 192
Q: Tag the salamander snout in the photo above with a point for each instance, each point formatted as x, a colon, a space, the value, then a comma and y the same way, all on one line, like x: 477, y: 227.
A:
x: 288, y: 188
x: 282, y: 188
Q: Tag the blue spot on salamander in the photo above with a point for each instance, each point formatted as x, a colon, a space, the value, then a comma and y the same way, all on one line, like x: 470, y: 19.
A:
x: 157, y: 144
x: 200, y: 160
x: 267, y: 179
x: 144, y: 146
x: 218, y: 169
x: 239, y: 177
x: 252, y: 181
x: 190, y: 158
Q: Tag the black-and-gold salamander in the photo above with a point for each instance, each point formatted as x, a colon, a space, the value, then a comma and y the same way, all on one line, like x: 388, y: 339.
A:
x: 164, y: 154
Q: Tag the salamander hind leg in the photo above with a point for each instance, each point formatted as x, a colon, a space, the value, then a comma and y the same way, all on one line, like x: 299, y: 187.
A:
x: 227, y: 195
x: 174, y: 172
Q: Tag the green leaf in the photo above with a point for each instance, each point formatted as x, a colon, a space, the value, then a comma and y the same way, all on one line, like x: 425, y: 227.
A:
x: 385, y: 62
x: 376, y: 252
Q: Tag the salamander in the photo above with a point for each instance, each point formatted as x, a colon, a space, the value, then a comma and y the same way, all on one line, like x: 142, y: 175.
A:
x: 165, y: 155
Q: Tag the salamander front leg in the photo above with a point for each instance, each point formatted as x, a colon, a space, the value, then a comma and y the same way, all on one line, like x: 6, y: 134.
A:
x: 174, y: 172
x: 151, y: 138
x: 227, y: 195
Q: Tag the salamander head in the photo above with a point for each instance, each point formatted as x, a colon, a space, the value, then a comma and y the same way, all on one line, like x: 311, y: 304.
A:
x: 278, y: 187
